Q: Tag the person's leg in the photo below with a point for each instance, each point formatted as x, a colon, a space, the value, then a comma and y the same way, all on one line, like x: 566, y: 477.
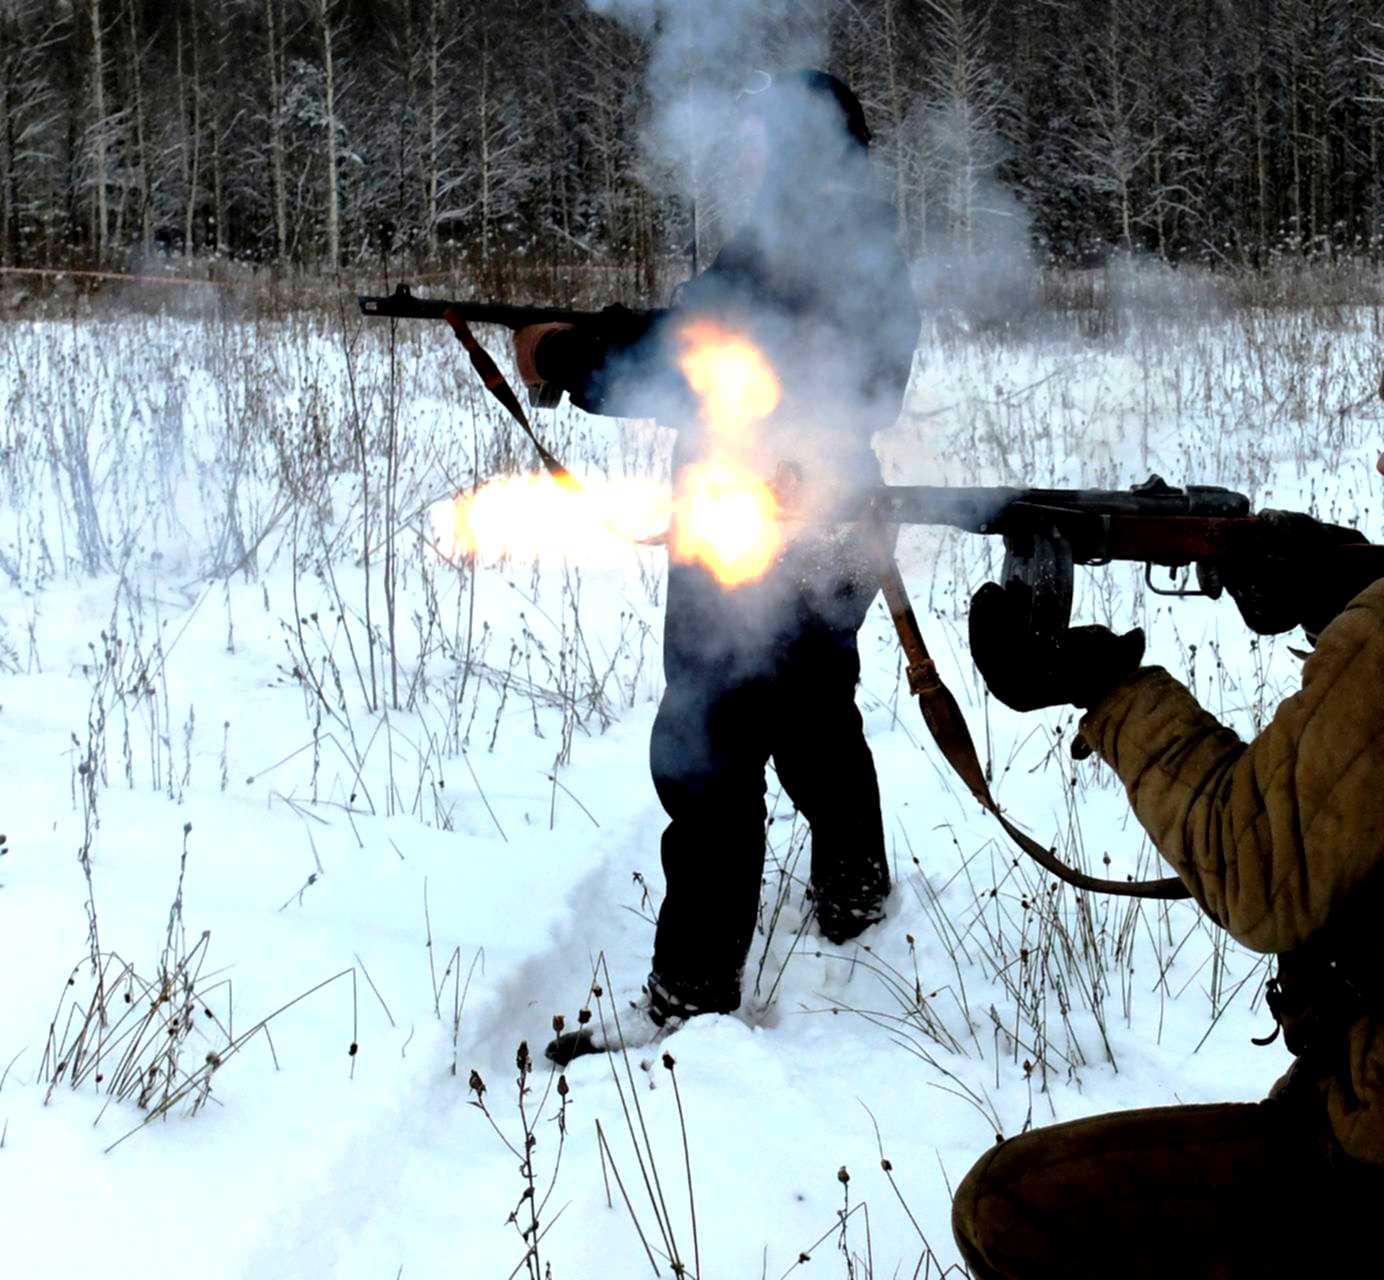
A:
x: 825, y: 766
x: 708, y: 754
x: 1227, y: 1191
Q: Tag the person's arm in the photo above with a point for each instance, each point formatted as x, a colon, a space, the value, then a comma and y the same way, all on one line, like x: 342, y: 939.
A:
x: 1268, y: 835
x: 598, y: 367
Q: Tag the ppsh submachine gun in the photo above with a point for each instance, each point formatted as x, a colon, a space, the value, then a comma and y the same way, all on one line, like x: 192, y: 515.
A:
x: 617, y: 323
x: 1207, y: 530
x: 1283, y: 569
x: 403, y: 304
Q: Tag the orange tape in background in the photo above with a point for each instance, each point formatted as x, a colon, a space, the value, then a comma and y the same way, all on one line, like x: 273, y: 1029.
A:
x: 191, y: 282
x: 117, y: 275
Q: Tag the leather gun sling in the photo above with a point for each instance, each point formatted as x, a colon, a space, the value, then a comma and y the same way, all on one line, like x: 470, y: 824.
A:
x: 497, y: 385
x: 949, y: 731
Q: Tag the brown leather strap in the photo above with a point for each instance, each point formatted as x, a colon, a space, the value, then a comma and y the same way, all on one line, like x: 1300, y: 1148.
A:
x: 948, y: 727
x: 497, y: 386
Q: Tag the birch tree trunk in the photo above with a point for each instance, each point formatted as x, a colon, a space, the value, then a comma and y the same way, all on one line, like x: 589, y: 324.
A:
x: 434, y: 118
x: 329, y: 106
x: 274, y: 58
x: 142, y: 158
x: 9, y: 194
x: 217, y: 48
x: 483, y: 131
x: 190, y: 104
x: 101, y: 175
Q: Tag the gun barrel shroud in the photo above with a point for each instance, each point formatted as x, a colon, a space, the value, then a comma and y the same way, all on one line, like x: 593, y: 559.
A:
x: 1162, y: 526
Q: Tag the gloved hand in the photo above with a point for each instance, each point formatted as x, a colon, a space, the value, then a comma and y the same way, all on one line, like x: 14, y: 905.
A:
x: 1026, y: 672
x: 1297, y: 581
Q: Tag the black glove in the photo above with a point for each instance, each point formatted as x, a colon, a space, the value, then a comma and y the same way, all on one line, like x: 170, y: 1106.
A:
x: 1297, y: 580
x: 1025, y: 672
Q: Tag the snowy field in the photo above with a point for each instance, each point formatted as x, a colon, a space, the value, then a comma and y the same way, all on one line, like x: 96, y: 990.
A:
x: 306, y: 829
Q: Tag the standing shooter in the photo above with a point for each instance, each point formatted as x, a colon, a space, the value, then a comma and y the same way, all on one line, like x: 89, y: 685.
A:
x: 766, y: 669
x: 1281, y: 842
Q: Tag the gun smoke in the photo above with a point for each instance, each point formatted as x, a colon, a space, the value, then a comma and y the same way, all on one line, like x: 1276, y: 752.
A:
x: 967, y: 239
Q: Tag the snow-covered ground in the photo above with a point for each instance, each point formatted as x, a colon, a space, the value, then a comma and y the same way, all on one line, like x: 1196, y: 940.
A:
x: 347, y: 828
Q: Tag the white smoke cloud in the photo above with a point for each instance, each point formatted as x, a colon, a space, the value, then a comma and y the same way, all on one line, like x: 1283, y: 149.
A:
x: 711, y: 42
x: 809, y: 217
x: 701, y: 52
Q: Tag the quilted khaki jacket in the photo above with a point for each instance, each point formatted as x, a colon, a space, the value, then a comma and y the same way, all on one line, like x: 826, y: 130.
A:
x: 1281, y: 840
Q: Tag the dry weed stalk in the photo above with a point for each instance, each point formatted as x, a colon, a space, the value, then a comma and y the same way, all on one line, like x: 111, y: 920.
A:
x: 527, y: 1216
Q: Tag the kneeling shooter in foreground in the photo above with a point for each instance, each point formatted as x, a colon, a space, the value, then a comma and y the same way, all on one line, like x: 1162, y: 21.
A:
x: 1281, y: 841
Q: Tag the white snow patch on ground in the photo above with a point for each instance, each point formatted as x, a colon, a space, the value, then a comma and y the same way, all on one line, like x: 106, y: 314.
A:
x: 510, y: 793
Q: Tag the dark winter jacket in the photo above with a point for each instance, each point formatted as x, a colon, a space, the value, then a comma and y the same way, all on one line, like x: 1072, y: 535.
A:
x: 825, y: 294
x: 817, y: 282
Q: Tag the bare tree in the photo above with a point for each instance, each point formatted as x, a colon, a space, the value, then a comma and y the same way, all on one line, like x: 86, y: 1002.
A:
x: 960, y: 115
x: 1372, y: 103
x: 135, y: 54
x: 490, y: 139
x: 274, y: 118
x: 1288, y: 34
x: 28, y: 110
x: 439, y: 40
x: 1255, y: 53
x: 1113, y: 140
x: 880, y: 42
x: 895, y: 105
x: 98, y: 130
x: 495, y: 161
x: 190, y: 114
x: 327, y: 34
x: 215, y: 59
x: 12, y: 90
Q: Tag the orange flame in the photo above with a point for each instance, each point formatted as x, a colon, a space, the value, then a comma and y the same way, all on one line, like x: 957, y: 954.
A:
x: 726, y: 518
x: 725, y: 515
x: 731, y: 377
x: 529, y: 516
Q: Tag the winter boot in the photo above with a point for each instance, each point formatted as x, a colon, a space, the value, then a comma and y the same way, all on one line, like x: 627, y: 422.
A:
x: 641, y: 1024
x: 842, y: 917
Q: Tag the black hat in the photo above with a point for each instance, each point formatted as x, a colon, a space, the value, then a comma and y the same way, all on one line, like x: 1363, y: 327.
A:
x: 824, y: 83
x: 821, y: 85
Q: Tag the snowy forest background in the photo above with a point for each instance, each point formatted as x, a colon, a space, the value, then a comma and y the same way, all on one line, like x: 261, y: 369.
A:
x: 328, y: 131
